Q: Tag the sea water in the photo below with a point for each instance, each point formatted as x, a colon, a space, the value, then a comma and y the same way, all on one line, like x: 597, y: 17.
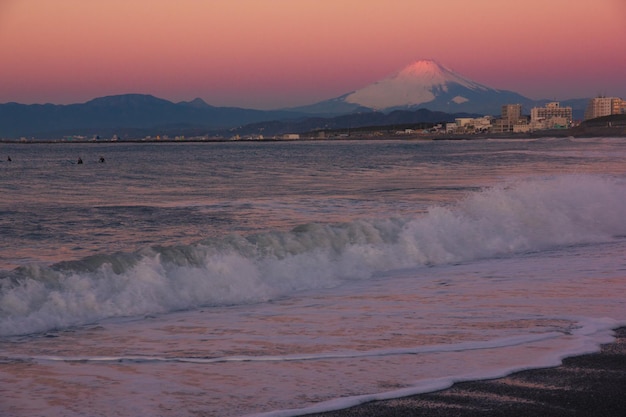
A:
x: 283, y: 278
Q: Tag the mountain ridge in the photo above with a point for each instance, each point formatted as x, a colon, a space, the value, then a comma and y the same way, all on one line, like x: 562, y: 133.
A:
x: 415, y: 84
x: 125, y: 111
x: 424, y: 84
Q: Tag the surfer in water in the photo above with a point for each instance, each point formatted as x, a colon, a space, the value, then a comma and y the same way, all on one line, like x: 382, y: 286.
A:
x: 80, y: 161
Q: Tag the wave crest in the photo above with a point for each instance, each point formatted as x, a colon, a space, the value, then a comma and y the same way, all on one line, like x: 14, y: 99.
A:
x: 528, y: 215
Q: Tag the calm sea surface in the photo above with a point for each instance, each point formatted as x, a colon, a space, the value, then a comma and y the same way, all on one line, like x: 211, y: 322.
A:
x: 276, y: 279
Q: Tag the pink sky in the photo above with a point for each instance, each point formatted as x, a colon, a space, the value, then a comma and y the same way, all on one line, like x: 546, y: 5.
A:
x: 278, y: 53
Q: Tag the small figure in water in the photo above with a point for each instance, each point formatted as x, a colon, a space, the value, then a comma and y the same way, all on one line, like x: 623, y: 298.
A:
x: 80, y: 161
x: 9, y: 159
x: 101, y: 160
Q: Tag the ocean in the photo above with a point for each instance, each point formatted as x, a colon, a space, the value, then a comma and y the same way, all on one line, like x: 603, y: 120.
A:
x: 284, y: 278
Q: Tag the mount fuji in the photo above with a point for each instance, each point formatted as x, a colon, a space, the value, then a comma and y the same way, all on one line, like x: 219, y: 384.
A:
x: 423, y: 84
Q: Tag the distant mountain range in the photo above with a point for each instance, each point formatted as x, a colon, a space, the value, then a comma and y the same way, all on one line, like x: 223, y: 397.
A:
x: 437, y: 92
x: 113, y: 114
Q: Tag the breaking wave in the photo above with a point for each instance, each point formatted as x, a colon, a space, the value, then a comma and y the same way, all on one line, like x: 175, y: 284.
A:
x: 527, y: 215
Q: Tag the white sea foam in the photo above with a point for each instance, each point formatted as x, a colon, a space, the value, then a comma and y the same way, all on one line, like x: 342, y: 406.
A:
x: 586, y: 339
x: 527, y: 215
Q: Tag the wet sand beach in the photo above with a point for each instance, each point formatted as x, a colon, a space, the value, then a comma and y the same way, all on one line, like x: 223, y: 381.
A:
x: 588, y: 385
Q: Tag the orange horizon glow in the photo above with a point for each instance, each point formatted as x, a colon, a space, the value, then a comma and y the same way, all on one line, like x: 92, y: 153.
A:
x: 279, y: 53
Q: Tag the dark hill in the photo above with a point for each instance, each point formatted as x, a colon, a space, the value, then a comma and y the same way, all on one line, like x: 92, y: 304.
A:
x: 350, y: 121
x: 128, y: 111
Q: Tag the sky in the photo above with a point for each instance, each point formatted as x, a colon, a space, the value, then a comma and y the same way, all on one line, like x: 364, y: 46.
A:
x: 269, y: 54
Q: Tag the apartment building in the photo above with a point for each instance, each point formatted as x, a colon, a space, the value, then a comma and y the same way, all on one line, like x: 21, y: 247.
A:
x: 604, y: 106
x: 511, y: 116
x: 552, y: 116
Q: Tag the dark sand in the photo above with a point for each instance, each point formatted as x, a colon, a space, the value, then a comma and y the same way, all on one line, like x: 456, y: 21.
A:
x: 589, y: 385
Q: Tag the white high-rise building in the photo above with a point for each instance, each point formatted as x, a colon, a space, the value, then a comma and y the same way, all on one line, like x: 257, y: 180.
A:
x: 604, y: 106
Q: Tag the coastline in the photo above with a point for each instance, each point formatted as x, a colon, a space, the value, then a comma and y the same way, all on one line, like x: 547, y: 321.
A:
x: 587, y: 385
x: 617, y: 131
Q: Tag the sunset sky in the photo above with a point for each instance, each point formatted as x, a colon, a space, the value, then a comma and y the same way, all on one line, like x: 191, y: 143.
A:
x: 279, y: 53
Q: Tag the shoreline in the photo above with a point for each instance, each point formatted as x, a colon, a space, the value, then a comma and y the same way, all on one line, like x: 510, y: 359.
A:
x: 302, y: 140
x: 587, y: 385
x: 578, y: 133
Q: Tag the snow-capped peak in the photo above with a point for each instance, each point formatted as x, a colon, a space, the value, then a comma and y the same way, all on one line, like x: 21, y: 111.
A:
x: 413, y: 85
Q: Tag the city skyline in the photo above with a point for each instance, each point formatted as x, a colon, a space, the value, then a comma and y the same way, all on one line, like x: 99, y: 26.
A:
x: 276, y: 53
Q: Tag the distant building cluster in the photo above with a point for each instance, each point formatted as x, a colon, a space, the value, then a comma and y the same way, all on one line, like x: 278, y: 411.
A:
x: 550, y: 116
x: 468, y: 124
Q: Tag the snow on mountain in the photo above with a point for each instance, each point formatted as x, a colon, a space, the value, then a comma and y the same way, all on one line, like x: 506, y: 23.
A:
x: 417, y: 83
x: 423, y: 84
